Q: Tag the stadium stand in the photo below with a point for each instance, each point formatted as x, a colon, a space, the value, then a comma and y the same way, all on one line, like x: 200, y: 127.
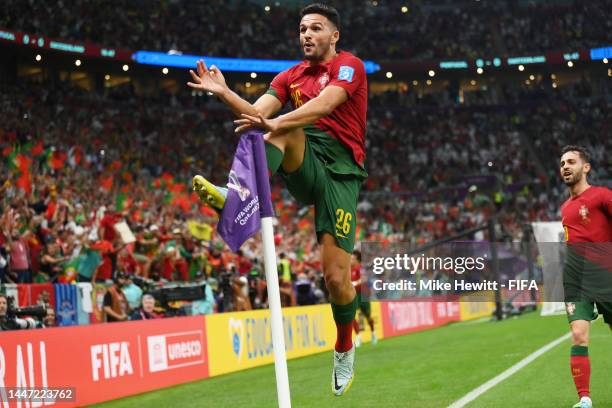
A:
x: 427, y: 30
x: 84, y: 151
x: 69, y: 154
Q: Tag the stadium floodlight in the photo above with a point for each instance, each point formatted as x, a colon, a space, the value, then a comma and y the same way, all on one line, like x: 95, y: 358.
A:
x: 404, y: 9
x: 253, y: 75
x: 605, y: 60
x: 389, y: 74
x: 38, y: 57
x: 480, y: 71
x: 125, y: 67
x: 570, y: 64
x: 165, y: 71
x: 77, y: 63
x: 521, y: 68
x: 432, y: 73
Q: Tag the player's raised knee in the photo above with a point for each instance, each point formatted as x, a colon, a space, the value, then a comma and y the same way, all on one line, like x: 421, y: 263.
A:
x: 334, y: 282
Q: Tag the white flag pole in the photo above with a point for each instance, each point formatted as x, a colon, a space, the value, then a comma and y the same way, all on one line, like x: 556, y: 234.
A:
x: 276, y: 316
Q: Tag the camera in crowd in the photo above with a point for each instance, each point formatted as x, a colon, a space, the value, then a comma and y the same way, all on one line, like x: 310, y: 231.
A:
x: 147, y: 285
x: 169, y: 293
x: 15, y: 318
x: 227, y: 288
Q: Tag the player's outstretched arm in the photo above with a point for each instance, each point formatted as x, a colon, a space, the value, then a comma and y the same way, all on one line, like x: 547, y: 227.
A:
x: 212, y: 80
x: 313, y: 110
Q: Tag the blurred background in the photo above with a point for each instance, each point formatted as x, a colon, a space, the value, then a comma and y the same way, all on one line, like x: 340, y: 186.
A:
x: 470, y: 103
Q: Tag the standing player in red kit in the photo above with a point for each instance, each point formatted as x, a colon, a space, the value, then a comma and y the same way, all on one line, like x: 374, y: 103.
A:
x: 364, y: 304
x: 319, y: 149
x: 587, y: 220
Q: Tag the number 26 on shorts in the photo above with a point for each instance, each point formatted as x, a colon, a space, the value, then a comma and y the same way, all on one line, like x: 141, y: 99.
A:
x: 343, y: 221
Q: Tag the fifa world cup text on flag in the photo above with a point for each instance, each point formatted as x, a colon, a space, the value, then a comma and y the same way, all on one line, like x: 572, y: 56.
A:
x: 248, y: 196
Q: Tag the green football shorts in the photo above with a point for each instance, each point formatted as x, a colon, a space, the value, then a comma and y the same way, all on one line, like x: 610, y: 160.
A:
x: 586, y: 311
x: 586, y: 284
x: 330, y: 179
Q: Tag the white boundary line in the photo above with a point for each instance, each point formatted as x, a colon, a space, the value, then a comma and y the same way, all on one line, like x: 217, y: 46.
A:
x: 475, y: 393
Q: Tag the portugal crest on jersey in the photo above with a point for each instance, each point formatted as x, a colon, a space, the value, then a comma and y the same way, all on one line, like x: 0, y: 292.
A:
x: 584, y: 214
x: 323, y: 80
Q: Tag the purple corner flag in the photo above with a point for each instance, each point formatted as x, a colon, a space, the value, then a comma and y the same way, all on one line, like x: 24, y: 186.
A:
x: 248, y: 195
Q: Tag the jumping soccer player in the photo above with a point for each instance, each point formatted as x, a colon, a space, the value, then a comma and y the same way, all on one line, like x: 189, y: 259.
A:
x: 364, y: 305
x: 587, y: 219
x: 319, y: 149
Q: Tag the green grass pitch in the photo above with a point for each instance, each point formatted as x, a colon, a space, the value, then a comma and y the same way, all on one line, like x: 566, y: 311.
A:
x: 427, y: 369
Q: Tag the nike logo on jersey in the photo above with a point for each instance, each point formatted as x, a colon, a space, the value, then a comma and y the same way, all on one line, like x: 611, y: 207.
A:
x: 295, y: 85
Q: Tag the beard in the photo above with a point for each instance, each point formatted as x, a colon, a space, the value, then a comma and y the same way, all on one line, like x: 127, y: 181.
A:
x: 316, y: 53
x: 573, y: 179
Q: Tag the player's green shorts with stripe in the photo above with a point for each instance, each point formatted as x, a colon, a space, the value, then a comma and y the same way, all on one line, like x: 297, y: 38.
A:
x: 586, y: 311
x: 585, y: 278
x: 330, y: 179
x: 586, y: 284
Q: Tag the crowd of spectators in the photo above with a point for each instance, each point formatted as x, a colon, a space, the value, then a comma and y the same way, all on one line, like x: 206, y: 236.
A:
x: 75, y: 164
x: 542, y: 26
x: 378, y: 30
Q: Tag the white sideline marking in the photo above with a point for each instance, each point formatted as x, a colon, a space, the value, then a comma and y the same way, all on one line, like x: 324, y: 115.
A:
x: 475, y: 393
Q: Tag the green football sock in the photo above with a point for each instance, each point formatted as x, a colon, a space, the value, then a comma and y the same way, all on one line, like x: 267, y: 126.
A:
x: 580, y: 351
x: 344, y: 314
x: 274, y: 157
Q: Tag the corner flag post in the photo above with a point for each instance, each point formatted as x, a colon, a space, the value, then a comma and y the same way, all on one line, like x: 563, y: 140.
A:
x: 248, y: 208
x: 276, y: 316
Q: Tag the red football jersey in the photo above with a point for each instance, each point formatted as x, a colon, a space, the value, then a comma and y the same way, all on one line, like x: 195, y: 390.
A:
x: 588, y: 216
x: 347, y: 122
